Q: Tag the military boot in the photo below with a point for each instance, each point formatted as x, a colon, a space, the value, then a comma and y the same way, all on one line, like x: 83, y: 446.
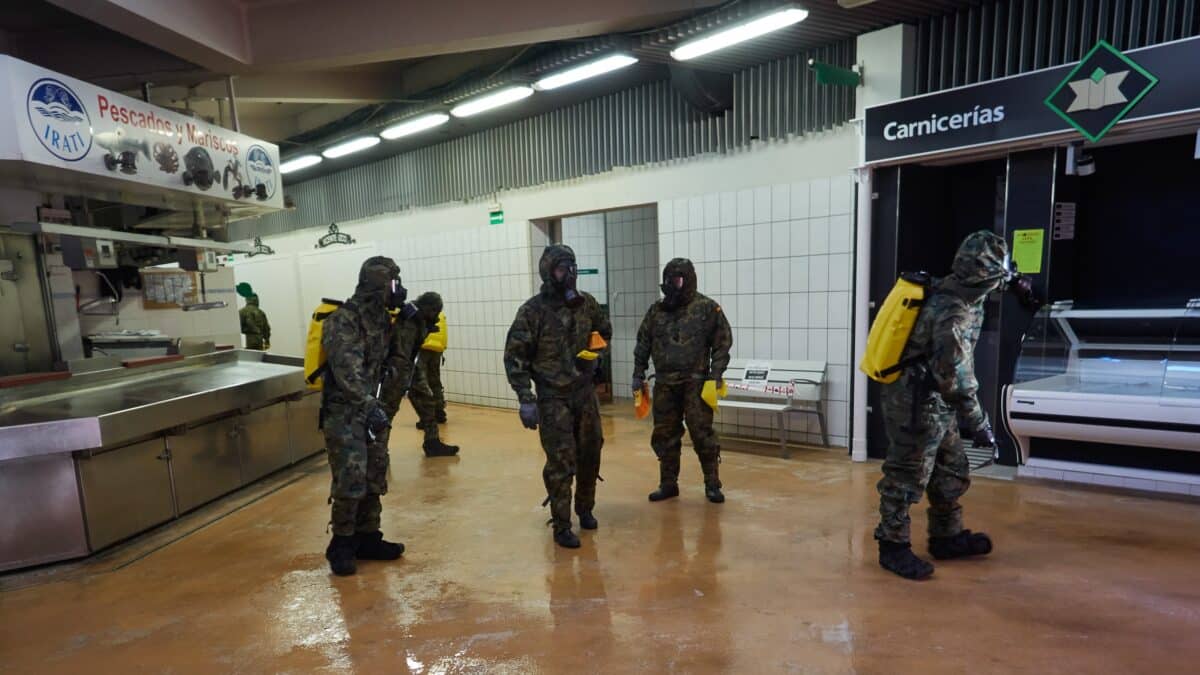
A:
x: 587, y: 521
x: 420, y: 426
x: 340, y: 554
x: 566, y: 538
x: 899, y: 558
x: 372, y: 546
x: 434, y: 447
x: 961, y: 545
x: 665, y: 491
x: 714, y: 494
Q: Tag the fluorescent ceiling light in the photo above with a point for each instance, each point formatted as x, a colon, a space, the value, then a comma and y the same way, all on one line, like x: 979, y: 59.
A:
x: 490, y: 101
x: 740, y: 33
x: 352, y: 145
x: 415, y: 125
x: 301, y: 162
x: 585, y: 71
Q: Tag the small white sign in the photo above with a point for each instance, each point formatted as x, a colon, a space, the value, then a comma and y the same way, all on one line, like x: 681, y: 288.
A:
x: 758, y: 371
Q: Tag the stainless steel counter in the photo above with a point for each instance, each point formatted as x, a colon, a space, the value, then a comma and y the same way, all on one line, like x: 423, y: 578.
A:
x: 111, y: 407
x: 181, y: 434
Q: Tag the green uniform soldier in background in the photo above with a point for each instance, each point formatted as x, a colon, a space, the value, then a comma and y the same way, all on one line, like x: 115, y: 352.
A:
x: 924, y: 409
x: 430, y: 361
x: 546, y: 337
x: 255, y: 326
x: 357, y: 341
x: 688, y: 337
x: 414, y: 324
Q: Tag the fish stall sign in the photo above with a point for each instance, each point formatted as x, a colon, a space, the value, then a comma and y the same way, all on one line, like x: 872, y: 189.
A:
x: 129, y: 145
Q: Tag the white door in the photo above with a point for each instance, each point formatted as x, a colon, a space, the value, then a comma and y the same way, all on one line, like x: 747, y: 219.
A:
x: 274, y: 280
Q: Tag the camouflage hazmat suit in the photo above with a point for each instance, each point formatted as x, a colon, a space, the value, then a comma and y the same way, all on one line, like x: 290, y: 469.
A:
x: 406, y: 376
x: 540, y: 351
x: 357, y: 340
x: 430, y: 363
x: 689, y: 340
x: 255, y: 326
x: 925, y: 407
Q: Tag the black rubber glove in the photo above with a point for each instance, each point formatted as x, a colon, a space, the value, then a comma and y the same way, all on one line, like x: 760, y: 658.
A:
x: 1022, y: 287
x: 639, y: 381
x: 377, y: 419
x: 983, y: 437
x: 529, y: 415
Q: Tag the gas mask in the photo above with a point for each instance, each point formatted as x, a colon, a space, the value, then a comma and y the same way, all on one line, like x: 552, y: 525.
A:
x: 672, y: 288
x: 397, y: 294
x: 566, y: 272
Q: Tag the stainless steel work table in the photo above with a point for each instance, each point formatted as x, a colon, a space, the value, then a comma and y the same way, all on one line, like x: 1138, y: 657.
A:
x: 95, y: 459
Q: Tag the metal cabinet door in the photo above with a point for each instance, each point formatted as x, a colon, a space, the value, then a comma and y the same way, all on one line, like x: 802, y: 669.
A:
x: 264, y: 441
x: 42, y: 521
x: 206, y: 463
x: 303, y: 416
x: 125, y: 491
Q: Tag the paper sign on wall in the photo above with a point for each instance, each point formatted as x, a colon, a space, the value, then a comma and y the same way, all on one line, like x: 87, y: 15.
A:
x: 1027, y: 250
x: 169, y: 289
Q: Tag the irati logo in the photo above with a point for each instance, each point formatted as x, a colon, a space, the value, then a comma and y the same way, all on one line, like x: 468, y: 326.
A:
x: 59, y: 119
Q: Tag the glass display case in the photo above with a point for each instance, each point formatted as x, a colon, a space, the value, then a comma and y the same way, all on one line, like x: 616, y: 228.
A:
x: 1118, y: 376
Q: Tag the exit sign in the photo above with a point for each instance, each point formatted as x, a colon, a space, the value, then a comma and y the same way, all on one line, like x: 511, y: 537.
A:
x: 495, y: 217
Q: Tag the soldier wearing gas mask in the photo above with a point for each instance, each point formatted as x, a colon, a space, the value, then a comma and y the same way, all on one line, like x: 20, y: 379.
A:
x: 934, y: 397
x: 688, y: 337
x: 356, y: 339
x: 547, y: 335
x: 414, y: 322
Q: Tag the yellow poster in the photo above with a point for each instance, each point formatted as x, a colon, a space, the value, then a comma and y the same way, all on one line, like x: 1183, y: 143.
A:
x: 1027, y: 250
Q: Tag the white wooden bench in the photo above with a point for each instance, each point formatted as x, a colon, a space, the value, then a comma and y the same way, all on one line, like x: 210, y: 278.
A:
x: 786, y: 387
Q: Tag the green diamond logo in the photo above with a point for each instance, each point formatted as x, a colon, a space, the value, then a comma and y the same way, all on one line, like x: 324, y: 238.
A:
x: 1100, y: 91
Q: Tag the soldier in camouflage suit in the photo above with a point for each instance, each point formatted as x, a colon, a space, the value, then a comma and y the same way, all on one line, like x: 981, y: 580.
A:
x: 255, y: 326
x: 924, y: 409
x: 688, y: 337
x: 356, y: 339
x: 550, y: 329
x: 405, y: 375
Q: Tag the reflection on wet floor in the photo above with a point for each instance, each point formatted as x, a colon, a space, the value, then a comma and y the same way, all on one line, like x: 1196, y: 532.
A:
x: 781, y: 578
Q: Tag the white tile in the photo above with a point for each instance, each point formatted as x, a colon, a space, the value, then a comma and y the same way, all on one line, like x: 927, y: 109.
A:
x: 713, y: 281
x: 712, y: 245
x: 780, y: 275
x: 799, y: 270
x: 799, y: 344
x: 839, y: 272
x: 818, y: 311
x: 1138, y: 484
x: 839, y: 310
x: 696, y: 245
x: 729, y: 277
x: 818, y: 236
x: 781, y: 239
x: 818, y: 197
x: 817, y: 345
x: 745, y: 242
x: 800, y: 200
x: 712, y: 210
x: 762, y: 204
x: 729, y: 242
x: 682, y: 214
x: 696, y: 213
x: 798, y: 314
x: 841, y: 194
x: 779, y: 344
x: 729, y: 209
x: 839, y: 383
x: 745, y: 276
x: 780, y: 307
x: 781, y: 202
x: 838, y: 346
x: 762, y: 276
x: 745, y: 207
x: 838, y: 420
x: 762, y: 241
x: 818, y: 273
x: 762, y: 310
x: 840, y: 233
x: 800, y: 236
x: 681, y: 244
x: 762, y: 342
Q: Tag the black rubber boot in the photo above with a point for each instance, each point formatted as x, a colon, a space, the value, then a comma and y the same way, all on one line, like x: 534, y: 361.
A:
x: 665, y: 492
x: 900, y: 559
x: 340, y: 554
x: 372, y: 546
x: 436, y: 448
x: 587, y: 521
x: 961, y: 545
x: 566, y: 538
x: 714, y: 494
x: 420, y: 427
x: 441, y: 417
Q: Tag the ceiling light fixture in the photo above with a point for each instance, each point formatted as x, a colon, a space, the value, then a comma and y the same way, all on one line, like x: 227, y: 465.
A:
x: 298, y: 163
x: 585, y: 71
x: 774, y: 21
x: 490, y: 101
x: 414, y: 125
x: 350, y: 146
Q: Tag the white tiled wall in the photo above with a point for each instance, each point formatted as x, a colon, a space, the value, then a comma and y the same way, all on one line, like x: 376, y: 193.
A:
x: 585, y: 235
x: 633, y: 274
x: 779, y: 258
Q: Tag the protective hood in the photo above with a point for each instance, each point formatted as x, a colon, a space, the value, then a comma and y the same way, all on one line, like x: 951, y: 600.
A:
x: 430, y: 304
x: 678, y: 297
x: 551, y: 257
x: 252, y: 301
x: 982, y: 260
x: 375, y: 280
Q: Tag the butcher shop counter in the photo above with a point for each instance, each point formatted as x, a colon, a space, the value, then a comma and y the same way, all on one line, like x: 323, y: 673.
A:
x: 92, y: 460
